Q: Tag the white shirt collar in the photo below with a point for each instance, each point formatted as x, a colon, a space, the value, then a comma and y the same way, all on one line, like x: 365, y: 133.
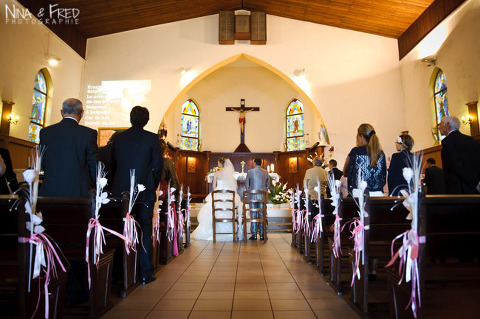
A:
x: 69, y: 117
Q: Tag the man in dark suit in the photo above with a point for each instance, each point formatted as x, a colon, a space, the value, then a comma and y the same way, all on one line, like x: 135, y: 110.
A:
x: 8, y: 182
x: 257, y: 179
x: 70, y: 157
x: 434, y: 178
x: 460, y: 159
x: 335, y: 172
x: 138, y: 149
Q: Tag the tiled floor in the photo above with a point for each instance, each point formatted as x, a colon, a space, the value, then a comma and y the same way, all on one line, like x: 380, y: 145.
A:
x: 226, y: 280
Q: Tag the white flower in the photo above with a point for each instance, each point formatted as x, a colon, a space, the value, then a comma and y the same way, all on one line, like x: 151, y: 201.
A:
x: 140, y: 187
x: 337, y: 183
x: 407, y: 174
x: 274, y: 182
x: 399, y: 140
x: 103, y: 198
x: 363, y: 185
x: 103, y: 182
x: 29, y: 175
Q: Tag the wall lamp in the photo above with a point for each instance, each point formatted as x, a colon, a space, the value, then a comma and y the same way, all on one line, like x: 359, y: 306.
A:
x: 12, y: 119
x: 468, y: 120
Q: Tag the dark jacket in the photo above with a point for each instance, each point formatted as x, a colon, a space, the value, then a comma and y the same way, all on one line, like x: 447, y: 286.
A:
x: 395, y: 178
x: 434, y: 180
x: 70, y: 159
x: 461, y: 163
x: 136, y: 149
x: 8, y: 182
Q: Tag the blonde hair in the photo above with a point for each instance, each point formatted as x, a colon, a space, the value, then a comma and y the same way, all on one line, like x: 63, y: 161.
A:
x: 374, y: 149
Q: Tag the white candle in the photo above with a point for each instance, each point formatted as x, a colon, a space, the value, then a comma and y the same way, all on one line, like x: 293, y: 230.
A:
x: 272, y: 168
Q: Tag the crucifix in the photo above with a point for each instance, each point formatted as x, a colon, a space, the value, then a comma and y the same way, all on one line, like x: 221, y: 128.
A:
x: 242, y: 110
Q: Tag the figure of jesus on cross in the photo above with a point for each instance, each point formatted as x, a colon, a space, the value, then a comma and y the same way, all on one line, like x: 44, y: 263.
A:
x: 242, y: 120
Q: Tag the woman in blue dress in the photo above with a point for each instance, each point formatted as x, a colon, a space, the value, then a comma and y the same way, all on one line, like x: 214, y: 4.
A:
x: 366, y: 160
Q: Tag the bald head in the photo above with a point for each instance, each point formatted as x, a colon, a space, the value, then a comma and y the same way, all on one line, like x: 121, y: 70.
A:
x: 72, y: 108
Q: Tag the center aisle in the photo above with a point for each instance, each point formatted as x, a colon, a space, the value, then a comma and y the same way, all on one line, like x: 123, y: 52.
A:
x: 226, y: 280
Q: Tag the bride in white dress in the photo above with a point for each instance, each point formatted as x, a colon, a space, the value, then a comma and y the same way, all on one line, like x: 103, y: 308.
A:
x: 222, y: 179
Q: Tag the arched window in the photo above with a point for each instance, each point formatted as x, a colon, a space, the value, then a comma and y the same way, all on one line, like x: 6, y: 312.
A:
x: 190, y: 126
x: 440, y: 98
x: 39, y: 104
x: 295, y: 137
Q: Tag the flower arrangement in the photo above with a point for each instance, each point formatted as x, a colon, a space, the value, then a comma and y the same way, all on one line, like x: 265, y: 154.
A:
x: 213, y: 170
x: 278, y: 192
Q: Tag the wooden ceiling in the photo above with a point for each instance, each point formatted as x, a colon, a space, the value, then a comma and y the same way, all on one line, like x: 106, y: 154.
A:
x: 389, y: 18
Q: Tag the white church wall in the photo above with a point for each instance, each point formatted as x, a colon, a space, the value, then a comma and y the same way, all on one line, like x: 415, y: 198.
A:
x: 24, y: 47
x: 455, y: 45
x: 220, y: 130
x: 351, y: 77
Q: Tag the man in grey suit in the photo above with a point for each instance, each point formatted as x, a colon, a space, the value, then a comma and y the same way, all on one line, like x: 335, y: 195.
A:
x: 257, y: 179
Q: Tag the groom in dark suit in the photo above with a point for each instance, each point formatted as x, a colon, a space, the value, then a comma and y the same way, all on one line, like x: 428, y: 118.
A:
x: 257, y: 179
x: 460, y: 159
x: 138, y: 149
x: 70, y: 157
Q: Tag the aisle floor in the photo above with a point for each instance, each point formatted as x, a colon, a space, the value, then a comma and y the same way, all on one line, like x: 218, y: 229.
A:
x: 227, y: 280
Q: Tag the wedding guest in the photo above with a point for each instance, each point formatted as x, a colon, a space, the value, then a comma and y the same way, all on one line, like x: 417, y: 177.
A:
x: 140, y: 150
x: 460, y: 159
x: 403, y: 158
x: 313, y: 176
x: 169, y: 174
x: 70, y: 158
x: 257, y: 179
x: 434, y: 178
x: 333, y: 172
x: 8, y: 182
x: 368, y: 159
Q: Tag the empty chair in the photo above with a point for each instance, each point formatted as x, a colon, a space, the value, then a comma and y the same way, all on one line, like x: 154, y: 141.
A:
x: 254, y: 204
x: 224, y: 211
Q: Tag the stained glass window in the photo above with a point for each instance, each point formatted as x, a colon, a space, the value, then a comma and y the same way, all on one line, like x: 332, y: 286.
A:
x: 39, y: 104
x: 440, y: 97
x: 295, y: 137
x: 190, y: 127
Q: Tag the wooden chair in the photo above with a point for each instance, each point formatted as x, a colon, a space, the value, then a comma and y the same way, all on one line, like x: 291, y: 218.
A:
x: 247, y: 207
x: 224, y: 201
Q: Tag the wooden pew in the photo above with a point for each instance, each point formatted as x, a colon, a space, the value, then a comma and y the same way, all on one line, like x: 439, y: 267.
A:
x: 164, y: 250
x: 66, y: 219
x: 327, y: 221
x: 307, y: 238
x: 187, y: 229
x: 347, y: 211
x: 15, y: 299
x: 449, y: 265
x: 112, y: 215
x: 383, y: 222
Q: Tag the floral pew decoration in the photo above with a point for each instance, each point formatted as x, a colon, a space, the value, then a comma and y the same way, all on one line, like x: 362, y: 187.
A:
x: 334, y: 186
x: 357, y: 227
x: 305, y: 214
x: 130, y: 225
x: 317, y: 220
x: 407, y: 254
x: 172, y: 220
x: 46, y: 250
x: 94, y: 226
x: 157, y: 209
x: 181, y: 217
x: 295, y: 197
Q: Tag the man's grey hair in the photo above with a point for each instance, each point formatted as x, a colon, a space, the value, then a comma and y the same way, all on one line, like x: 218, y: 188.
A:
x: 453, y: 121
x: 72, y: 106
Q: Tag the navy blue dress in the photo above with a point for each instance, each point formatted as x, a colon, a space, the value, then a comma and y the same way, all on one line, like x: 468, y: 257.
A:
x: 360, y: 161
x: 395, y: 180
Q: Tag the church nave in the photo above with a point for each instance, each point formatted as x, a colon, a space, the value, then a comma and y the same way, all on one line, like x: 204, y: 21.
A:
x: 227, y: 280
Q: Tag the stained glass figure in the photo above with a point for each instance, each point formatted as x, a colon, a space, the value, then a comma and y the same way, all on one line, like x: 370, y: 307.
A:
x: 190, y: 126
x: 440, y: 98
x: 39, y: 103
x: 295, y: 135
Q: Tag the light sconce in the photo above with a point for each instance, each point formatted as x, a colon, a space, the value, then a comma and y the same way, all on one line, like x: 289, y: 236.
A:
x: 468, y: 120
x: 12, y: 119
x: 52, y: 60
x: 184, y: 70
x: 429, y: 61
x: 300, y: 72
